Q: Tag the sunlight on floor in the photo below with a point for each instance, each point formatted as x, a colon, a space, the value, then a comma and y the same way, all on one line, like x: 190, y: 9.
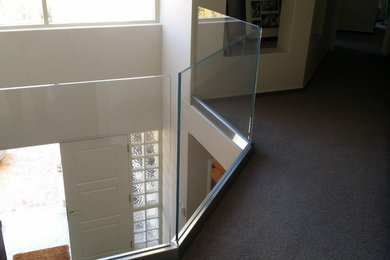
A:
x: 32, y: 207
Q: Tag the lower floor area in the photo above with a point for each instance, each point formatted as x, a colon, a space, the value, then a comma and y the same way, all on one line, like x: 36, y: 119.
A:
x: 32, y: 201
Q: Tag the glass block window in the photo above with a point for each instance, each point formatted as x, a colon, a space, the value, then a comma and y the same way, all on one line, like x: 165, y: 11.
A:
x: 146, y: 229
x: 145, y: 173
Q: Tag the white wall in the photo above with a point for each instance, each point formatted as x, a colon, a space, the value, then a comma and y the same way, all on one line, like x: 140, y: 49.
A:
x: 175, y: 17
x: 30, y: 57
x: 284, y: 68
x: 358, y: 15
x: 198, y: 174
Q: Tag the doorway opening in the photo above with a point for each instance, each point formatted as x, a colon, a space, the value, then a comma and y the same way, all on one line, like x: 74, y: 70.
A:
x: 32, y: 199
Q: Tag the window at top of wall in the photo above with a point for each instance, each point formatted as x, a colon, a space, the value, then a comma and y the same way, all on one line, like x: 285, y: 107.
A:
x: 59, y: 12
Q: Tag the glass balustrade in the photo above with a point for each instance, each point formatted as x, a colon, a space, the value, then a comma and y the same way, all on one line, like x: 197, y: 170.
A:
x: 115, y: 146
x: 124, y: 191
x: 216, y: 103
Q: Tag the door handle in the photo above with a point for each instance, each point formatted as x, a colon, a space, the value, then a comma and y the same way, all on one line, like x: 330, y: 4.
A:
x: 73, y: 212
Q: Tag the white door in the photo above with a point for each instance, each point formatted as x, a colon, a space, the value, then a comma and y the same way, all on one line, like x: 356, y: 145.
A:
x: 97, y: 196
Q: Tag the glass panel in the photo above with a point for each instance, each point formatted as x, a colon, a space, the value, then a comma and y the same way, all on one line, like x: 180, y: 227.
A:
x: 108, y: 111
x: 137, y: 138
x: 139, y: 226
x: 87, y: 11
x: 140, y: 246
x: 152, y: 174
x: 152, y: 234
x: 152, y: 213
x: 139, y: 237
x: 139, y: 215
x: 139, y: 200
x: 138, y: 188
x: 151, y: 161
x: 137, y: 150
x: 151, y: 136
x: 152, y: 243
x: 151, y: 186
x: 21, y: 12
x: 221, y: 87
x: 152, y: 223
x: 138, y: 163
x: 151, y: 149
x: 152, y: 198
x: 138, y: 176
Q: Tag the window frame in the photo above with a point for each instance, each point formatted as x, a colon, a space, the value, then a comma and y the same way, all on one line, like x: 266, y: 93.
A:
x: 47, y: 25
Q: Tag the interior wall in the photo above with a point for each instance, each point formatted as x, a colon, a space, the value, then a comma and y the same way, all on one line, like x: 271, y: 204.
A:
x: 195, y: 125
x: 284, y: 68
x: 359, y: 15
x: 323, y: 33
x: 198, y: 174
x: 41, y: 56
x: 175, y: 17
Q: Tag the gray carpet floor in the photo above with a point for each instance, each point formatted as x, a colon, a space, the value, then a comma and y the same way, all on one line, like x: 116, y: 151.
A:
x: 317, y: 186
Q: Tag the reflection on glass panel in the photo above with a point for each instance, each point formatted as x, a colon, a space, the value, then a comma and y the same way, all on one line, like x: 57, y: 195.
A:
x: 138, y: 163
x: 139, y: 200
x: 139, y: 215
x: 138, y: 188
x: 151, y: 136
x: 139, y: 237
x: 152, y: 198
x: 152, y: 223
x: 137, y: 138
x: 138, y: 176
x: 151, y: 161
x: 152, y: 213
x: 151, y: 186
x: 151, y: 149
x: 139, y: 226
x: 151, y: 174
x: 152, y: 234
x: 137, y: 150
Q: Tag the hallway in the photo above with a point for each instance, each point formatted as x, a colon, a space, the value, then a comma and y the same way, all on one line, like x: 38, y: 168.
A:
x: 317, y: 186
